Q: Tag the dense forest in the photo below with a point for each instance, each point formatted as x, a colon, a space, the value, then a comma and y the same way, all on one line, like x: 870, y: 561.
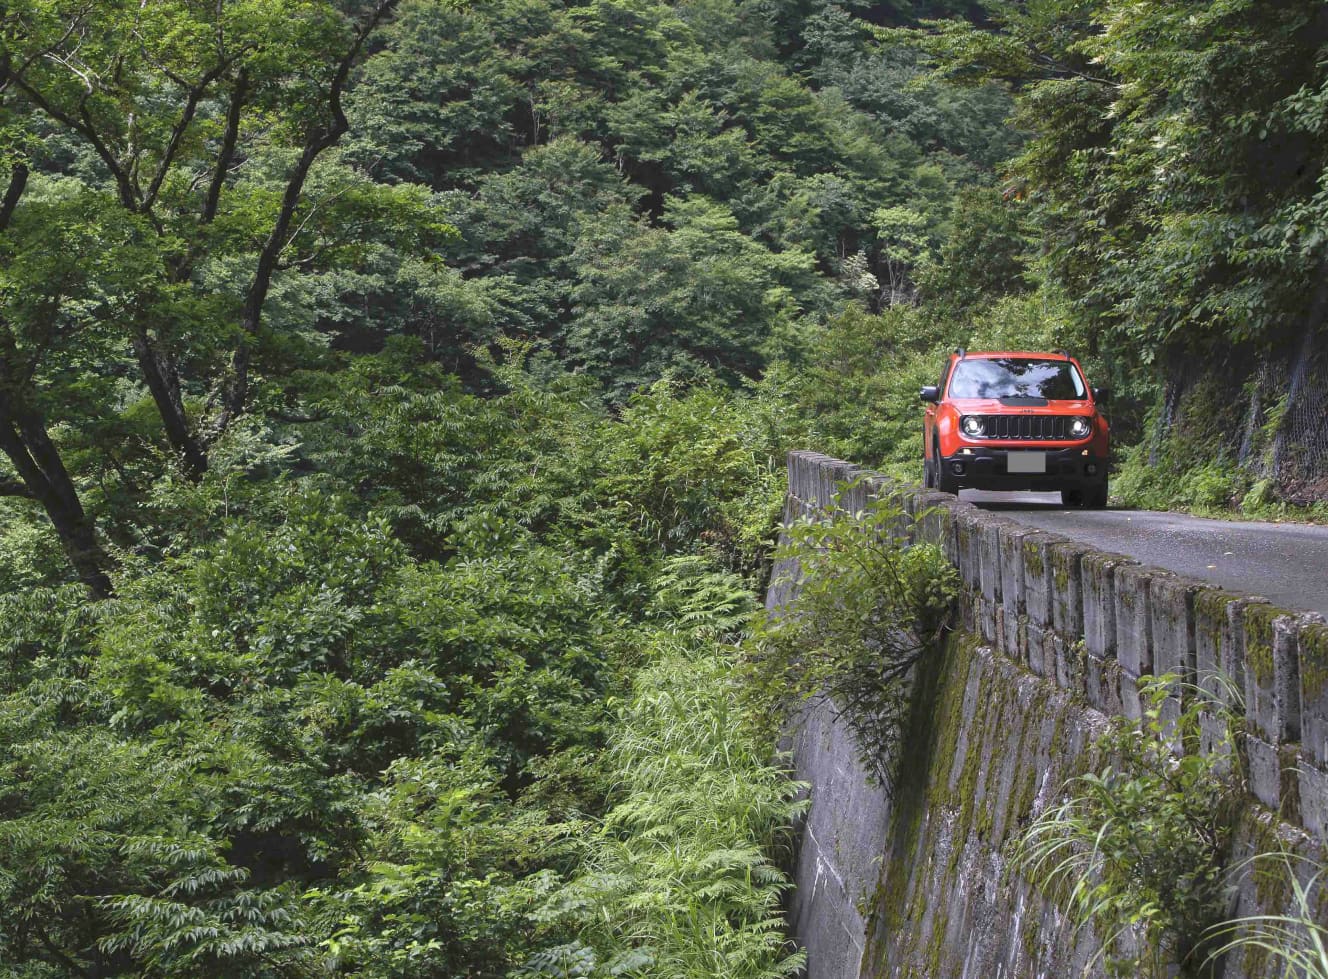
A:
x: 393, y: 404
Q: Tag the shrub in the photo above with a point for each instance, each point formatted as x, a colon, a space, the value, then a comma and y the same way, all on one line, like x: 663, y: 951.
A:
x: 870, y: 608
x: 1297, y: 939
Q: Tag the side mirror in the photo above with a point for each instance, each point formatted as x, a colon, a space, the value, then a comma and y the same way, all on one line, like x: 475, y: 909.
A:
x: 930, y: 393
x: 1101, y: 394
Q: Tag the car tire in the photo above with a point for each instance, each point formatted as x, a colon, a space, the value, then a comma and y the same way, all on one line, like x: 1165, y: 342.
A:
x: 945, y: 482
x: 928, y: 475
x: 1090, y: 498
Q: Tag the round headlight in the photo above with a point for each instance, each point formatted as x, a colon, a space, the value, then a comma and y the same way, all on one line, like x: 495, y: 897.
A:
x: 972, y: 425
x: 1080, y: 427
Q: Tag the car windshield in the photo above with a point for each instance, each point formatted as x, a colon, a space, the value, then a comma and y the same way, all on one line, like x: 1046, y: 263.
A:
x: 1016, y: 377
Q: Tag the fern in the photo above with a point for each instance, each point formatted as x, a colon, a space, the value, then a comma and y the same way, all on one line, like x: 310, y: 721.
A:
x: 679, y: 884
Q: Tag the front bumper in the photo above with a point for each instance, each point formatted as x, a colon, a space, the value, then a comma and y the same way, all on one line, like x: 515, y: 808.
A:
x: 986, y: 467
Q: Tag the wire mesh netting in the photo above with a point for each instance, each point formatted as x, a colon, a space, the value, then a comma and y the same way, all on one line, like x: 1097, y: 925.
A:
x: 1300, y: 456
x: 1267, y: 414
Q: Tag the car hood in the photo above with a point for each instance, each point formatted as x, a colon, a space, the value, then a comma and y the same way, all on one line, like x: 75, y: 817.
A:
x: 994, y: 406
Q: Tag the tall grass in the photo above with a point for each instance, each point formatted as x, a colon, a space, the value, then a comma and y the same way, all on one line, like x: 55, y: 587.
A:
x: 1299, y: 938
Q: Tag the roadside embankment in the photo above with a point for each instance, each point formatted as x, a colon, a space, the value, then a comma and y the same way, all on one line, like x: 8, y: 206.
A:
x: 1056, y: 637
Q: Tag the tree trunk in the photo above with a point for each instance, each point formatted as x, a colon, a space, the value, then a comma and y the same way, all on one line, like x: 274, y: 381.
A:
x: 163, y: 383
x: 235, y: 388
x: 24, y: 440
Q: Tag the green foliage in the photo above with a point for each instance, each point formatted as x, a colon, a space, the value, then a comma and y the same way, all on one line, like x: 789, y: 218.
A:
x: 454, y: 876
x: 647, y: 188
x: 870, y: 608
x: 1138, y: 849
x: 858, y: 377
x: 1173, y: 177
x: 1165, y: 485
x: 858, y: 384
x: 348, y: 710
x: 652, y: 303
x: 701, y: 602
x: 680, y: 882
x: 985, y: 257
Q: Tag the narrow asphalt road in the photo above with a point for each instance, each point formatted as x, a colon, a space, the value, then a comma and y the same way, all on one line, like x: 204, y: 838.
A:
x: 1285, y: 563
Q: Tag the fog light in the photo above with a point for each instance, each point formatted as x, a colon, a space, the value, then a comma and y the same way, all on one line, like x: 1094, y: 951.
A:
x: 1091, y: 469
x: 957, y: 468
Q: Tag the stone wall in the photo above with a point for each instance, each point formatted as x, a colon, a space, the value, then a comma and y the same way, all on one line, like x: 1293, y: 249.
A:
x: 1056, y: 636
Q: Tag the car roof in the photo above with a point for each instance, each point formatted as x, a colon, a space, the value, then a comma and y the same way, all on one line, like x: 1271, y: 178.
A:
x: 1022, y: 354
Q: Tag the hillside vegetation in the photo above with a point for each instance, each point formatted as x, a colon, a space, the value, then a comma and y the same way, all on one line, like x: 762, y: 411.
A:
x: 393, y: 403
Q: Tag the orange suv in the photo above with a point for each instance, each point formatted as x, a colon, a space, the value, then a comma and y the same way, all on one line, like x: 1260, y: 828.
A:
x: 1016, y: 421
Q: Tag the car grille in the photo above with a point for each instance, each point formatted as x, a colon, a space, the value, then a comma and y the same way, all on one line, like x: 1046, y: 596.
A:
x: 1049, y: 428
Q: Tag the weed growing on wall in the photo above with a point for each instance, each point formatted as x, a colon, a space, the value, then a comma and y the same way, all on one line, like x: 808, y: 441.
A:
x: 1138, y: 849
x: 870, y: 608
x: 1297, y: 939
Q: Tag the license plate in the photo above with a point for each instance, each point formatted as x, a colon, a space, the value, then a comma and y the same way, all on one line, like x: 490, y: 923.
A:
x: 1026, y: 462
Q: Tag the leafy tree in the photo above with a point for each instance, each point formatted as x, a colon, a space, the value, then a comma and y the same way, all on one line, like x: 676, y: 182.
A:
x: 986, y: 255
x: 1173, y: 176
x: 1139, y: 847
x: 156, y: 130
x: 678, y: 882
x: 685, y: 301
x: 400, y: 362
x: 902, y: 233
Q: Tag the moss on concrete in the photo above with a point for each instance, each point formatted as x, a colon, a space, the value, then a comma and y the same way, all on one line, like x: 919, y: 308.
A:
x: 961, y: 802
x: 921, y: 751
x: 955, y: 791
x: 1061, y: 571
x: 1313, y: 661
x: 975, y: 767
x: 1210, y: 614
x: 1033, y: 564
x: 1258, y: 623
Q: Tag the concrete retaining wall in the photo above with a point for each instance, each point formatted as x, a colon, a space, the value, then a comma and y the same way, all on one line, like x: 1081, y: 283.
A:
x: 1058, y: 636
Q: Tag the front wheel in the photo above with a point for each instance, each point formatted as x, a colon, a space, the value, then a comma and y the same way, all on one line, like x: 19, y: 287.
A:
x: 1091, y: 498
x: 945, y: 482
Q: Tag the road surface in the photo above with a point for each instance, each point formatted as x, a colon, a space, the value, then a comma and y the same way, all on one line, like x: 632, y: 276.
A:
x: 1285, y: 563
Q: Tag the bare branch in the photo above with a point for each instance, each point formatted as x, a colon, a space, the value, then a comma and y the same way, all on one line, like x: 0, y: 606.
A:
x: 228, y: 141
x: 177, y: 132
x: 339, y: 123
x: 83, y: 75
x: 313, y: 210
x: 14, y: 487
x: 87, y: 129
x: 38, y: 55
